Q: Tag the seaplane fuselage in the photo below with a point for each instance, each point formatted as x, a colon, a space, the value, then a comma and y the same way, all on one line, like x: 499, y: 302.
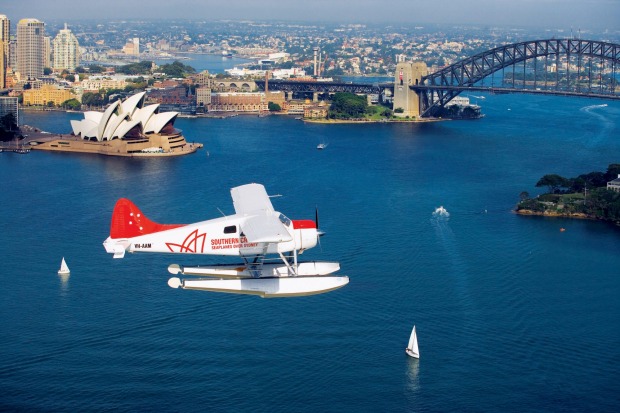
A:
x: 219, y: 236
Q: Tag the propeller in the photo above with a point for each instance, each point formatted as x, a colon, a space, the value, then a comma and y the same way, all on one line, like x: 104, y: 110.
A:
x: 319, y: 233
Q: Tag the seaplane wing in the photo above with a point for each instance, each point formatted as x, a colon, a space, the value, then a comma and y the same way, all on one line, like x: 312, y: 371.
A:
x: 265, y: 228
x: 251, y: 199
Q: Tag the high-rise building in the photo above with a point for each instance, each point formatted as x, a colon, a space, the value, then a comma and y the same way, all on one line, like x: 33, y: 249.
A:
x: 30, y: 48
x: 5, y: 33
x: 66, y: 50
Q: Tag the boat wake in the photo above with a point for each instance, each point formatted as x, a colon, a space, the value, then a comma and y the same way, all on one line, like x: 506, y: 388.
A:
x: 602, y: 127
x: 591, y: 107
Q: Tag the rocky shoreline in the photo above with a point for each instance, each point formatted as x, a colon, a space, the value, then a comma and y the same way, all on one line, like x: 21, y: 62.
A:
x: 554, y: 214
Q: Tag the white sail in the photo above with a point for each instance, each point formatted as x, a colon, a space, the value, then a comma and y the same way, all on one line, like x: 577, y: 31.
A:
x: 412, y: 346
x: 64, y: 268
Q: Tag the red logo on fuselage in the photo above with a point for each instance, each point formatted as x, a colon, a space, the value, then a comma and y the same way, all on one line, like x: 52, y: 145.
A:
x: 193, y: 243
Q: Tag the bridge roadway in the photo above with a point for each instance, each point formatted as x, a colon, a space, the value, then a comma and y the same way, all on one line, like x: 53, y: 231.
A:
x: 378, y: 88
x: 323, y: 87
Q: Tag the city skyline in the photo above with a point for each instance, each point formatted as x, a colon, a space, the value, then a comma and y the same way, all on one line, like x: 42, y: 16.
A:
x: 565, y: 14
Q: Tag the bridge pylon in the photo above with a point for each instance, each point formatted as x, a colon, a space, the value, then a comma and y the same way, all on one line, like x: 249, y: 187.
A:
x: 408, y: 74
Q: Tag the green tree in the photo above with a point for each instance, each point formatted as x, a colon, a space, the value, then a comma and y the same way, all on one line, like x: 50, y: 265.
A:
x: 348, y: 105
x: 176, y: 69
x: 47, y: 71
x: 72, y: 104
x: 8, y: 127
x: 553, y: 182
x: 273, y: 107
x: 92, y: 99
x: 140, y: 68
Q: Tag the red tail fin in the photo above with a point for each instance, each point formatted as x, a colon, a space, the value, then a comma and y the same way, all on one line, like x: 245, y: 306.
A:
x: 128, y: 221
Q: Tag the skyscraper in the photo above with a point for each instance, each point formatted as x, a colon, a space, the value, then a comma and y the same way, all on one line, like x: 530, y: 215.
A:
x: 66, y: 50
x: 5, y: 33
x: 30, y: 48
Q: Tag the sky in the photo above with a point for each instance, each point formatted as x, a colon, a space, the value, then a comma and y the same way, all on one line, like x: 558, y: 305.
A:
x: 562, y: 14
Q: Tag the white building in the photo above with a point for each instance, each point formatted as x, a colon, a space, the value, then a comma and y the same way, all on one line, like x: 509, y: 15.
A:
x: 614, y: 185
x: 66, y: 50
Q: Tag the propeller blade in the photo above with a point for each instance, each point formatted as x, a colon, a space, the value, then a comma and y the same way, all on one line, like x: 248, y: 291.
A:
x: 316, y: 216
x: 316, y: 221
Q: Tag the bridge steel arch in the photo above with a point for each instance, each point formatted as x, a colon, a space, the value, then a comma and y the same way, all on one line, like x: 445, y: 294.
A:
x: 437, y: 89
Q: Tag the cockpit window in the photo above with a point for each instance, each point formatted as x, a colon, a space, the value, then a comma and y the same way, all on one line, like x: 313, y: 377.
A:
x: 232, y: 229
x: 284, y: 220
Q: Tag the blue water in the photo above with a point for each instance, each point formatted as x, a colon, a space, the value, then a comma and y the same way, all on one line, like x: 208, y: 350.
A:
x: 512, y: 314
x: 212, y: 63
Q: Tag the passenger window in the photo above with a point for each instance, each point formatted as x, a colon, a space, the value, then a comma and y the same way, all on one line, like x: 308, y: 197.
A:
x: 230, y: 230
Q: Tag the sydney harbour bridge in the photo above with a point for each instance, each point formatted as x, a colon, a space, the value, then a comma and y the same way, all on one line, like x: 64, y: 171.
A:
x: 570, y: 67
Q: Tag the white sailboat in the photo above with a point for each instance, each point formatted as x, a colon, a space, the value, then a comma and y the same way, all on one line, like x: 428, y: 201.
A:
x: 64, y: 269
x: 412, y: 347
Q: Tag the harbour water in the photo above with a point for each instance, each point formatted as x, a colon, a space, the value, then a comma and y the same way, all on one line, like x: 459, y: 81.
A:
x: 512, y: 314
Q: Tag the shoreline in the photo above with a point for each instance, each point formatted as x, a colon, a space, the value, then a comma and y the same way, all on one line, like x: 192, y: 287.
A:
x: 349, y: 121
x: 572, y: 215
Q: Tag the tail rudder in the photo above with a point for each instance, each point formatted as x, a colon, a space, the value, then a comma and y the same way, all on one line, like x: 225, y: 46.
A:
x: 128, y: 221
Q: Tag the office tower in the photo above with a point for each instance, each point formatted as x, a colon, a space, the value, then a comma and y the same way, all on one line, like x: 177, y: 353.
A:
x: 66, y: 50
x: 30, y: 48
x: 5, y: 33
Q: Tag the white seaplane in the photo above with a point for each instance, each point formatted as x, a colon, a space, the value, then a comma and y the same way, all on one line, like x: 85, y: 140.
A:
x: 255, y: 232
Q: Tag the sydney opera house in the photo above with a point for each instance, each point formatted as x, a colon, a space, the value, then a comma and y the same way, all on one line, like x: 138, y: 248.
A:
x: 125, y: 128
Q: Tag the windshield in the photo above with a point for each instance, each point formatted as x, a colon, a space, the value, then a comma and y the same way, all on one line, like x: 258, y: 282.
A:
x: 284, y: 220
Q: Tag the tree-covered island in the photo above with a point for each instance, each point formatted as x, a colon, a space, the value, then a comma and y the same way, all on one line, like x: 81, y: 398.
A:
x: 586, y: 196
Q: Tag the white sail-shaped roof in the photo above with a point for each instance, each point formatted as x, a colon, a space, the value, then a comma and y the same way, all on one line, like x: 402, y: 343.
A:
x: 144, y: 114
x: 93, y: 116
x: 121, y: 117
x: 85, y: 128
x: 113, y: 124
x: 105, y: 118
x: 133, y: 102
x: 158, y: 121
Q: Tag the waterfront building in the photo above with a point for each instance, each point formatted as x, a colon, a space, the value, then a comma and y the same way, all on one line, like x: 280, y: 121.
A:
x: 5, y: 38
x: 316, y: 111
x: 235, y: 102
x: 614, y: 185
x: 203, y: 79
x: 95, y: 84
x: 30, y: 48
x: 9, y: 105
x: 203, y: 96
x: 245, y: 102
x: 66, y: 50
x: 46, y: 94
